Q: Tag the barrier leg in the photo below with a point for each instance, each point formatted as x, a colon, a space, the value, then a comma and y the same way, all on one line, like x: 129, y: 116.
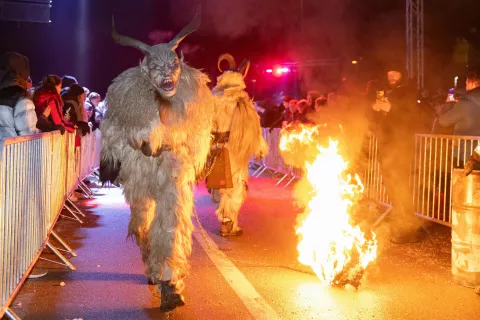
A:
x: 60, y: 256
x: 288, y: 183
x: 256, y: 171
x: 96, y: 174
x: 86, y: 190
x: 76, y: 208
x: 75, y: 217
x: 380, y: 219
x: 283, y: 178
x: 11, y: 315
x: 64, y: 244
x: 265, y: 168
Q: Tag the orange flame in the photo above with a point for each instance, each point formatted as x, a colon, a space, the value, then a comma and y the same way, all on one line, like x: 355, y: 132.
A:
x: 328, y: 243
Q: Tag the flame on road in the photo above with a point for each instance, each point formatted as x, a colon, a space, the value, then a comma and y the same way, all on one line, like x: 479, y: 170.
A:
x: 337, y: 251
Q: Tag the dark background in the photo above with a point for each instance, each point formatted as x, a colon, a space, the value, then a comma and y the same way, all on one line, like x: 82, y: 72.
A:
x: 77, y: 41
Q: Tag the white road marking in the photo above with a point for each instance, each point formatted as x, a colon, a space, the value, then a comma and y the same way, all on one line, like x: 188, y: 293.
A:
x: 252, y: 300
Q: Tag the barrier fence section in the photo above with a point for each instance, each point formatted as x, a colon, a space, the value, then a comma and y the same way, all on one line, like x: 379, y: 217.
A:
x: 37, y: 173
x: 435, y: 157
x: 371, y: 176
x: 274, y: 161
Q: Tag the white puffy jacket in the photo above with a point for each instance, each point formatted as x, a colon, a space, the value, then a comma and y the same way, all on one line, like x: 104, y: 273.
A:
x: 18, y: 121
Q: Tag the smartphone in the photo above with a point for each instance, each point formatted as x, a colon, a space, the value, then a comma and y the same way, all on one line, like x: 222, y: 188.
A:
x: 451, y: 95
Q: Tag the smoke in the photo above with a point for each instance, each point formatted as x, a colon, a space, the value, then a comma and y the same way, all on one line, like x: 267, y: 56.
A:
x: 315, y: 28
x: 163, y: 36
x: 160, y: 36
x: 236, y: 18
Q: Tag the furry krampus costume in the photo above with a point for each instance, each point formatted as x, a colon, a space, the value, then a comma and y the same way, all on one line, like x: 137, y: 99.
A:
x: 237, y: 129
x: 156, y: 137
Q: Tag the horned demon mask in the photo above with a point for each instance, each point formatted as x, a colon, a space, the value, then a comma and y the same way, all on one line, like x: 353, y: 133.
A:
x: 161, y: 64
x: 242, y: 69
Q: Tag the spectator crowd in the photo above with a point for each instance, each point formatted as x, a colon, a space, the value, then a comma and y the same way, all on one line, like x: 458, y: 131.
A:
x: 53, y: 104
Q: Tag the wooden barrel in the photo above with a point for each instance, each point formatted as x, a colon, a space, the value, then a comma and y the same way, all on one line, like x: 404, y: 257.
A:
x: 466, y: 228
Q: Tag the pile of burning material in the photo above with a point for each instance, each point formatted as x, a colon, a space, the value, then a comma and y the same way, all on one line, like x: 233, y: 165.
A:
x: 336, y: 250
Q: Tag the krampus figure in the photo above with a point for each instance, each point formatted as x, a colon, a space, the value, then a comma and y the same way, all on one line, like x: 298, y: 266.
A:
x: 156, y: 138
x: 237, y: 137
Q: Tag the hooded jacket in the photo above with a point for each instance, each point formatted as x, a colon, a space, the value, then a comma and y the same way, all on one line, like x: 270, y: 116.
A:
x: 17, y: 111
x: 49, y: 104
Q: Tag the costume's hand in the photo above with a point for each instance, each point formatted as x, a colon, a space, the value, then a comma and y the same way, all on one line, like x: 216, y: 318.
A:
x: 147, y: 150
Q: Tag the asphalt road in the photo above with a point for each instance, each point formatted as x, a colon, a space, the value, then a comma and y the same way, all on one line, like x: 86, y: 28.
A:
x: 255, y: 276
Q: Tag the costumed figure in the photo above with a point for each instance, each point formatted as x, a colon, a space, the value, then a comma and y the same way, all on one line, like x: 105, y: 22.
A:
x: 237, y: 136
x: 156, y: 138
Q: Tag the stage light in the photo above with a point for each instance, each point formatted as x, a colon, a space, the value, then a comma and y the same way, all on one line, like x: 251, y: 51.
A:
x: 269, y: 70
x: 354, y: 62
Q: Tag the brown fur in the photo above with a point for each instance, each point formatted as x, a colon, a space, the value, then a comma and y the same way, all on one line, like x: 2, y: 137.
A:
x: 235, y: 113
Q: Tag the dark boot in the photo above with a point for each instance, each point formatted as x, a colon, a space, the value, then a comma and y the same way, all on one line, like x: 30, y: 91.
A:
x: 169, y: 298
x: 226, y: 230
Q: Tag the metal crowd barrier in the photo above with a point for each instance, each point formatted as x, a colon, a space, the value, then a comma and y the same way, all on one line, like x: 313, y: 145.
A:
x: 273, y: 162
x: 435, y: 158
x: 37, y: 174
x: 431, y: 174
x: 372, y: 177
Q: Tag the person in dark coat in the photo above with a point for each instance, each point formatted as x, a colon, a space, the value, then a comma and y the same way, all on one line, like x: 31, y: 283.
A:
x: 74, y: 110
x: 68, y: 81
x: 464, y: 114
x: 396, y: 146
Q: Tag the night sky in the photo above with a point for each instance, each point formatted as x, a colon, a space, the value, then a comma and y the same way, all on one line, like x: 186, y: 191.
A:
x: 78, y: 42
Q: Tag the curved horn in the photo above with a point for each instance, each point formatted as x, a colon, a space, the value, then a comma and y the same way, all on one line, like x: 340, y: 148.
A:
x: 230, y: 59
x: 191, y: 27
x: 244, y: 67
x: 127, y: 41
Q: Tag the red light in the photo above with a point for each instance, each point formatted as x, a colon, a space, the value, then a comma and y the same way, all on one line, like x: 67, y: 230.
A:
x: 269, y: 70
x: 284, y: 70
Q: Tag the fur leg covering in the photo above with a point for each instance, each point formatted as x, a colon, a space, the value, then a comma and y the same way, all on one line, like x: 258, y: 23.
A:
x: 142, y: 212
x: 231, y: 200
x: 170, y: 234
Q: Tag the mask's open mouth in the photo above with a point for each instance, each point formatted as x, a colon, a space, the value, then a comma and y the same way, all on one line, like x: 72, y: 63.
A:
x: 167, y: 84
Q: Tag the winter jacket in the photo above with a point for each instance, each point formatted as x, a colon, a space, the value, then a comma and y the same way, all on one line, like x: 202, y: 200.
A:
x: 270, y: 117
x: 464, y: 115
x: 17, y: 113
x: 402, y: 120
x: 48, y: 104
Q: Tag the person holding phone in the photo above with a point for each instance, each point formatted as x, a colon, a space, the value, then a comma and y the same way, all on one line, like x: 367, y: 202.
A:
x: 464, y: 113
x: 396, y: 145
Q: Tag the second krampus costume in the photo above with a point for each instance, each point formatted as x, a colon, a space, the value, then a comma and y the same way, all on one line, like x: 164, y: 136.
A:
x: 237, y: 137
x: 156, y: 137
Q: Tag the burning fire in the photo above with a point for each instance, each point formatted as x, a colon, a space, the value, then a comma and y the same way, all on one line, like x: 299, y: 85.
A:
x: 337, y: 251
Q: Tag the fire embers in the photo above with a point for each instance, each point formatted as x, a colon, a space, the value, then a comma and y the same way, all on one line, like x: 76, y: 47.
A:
x: 329, y: 242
